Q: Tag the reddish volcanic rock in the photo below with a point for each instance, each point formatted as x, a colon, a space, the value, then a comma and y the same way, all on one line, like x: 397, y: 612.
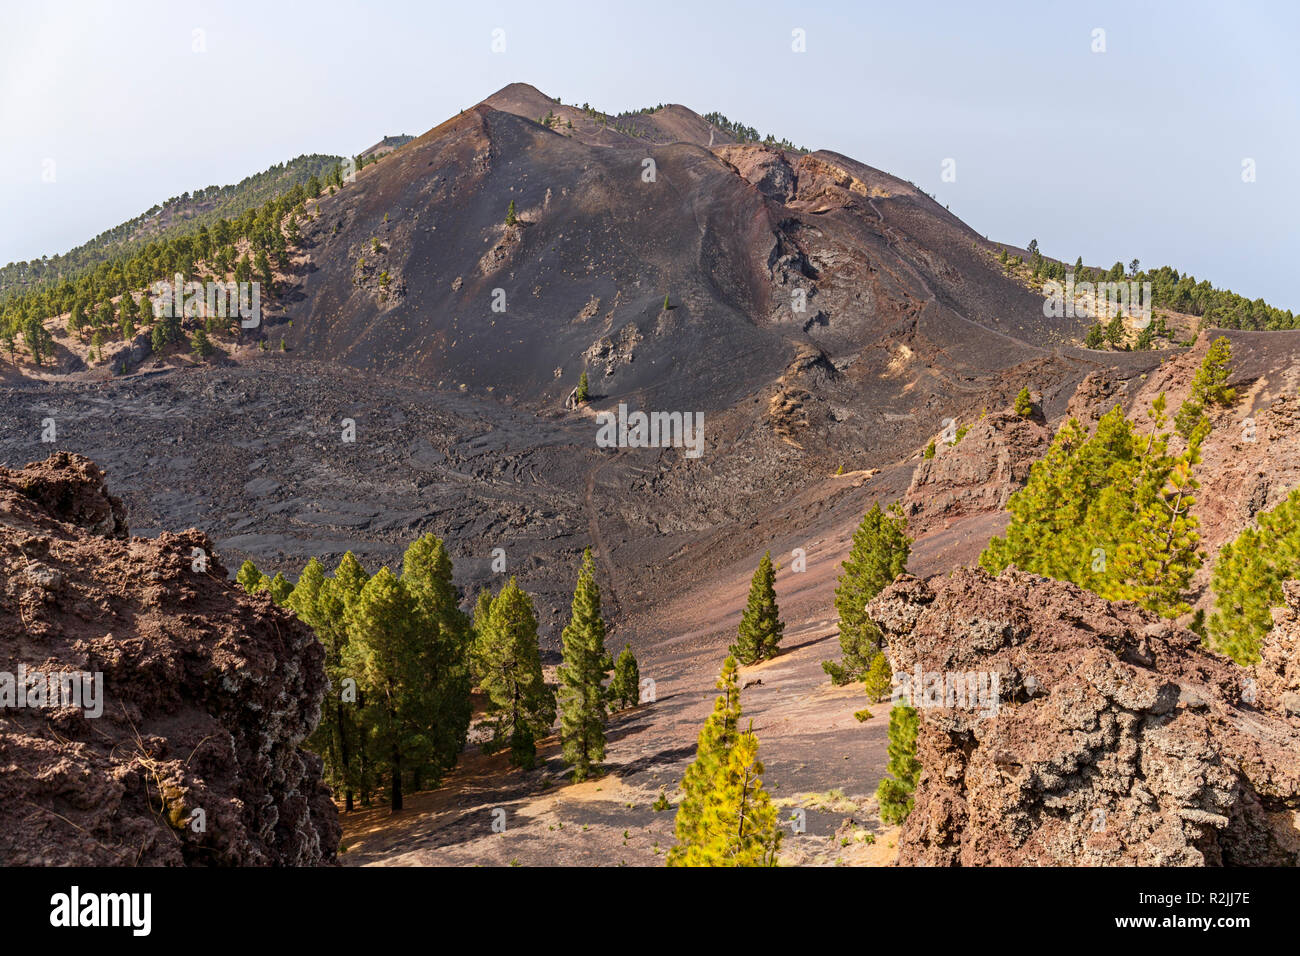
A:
x: 1117, y: 739
x: 203, y: 694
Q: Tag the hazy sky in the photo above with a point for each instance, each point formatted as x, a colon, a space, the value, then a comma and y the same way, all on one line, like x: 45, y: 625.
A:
x: 1132, y: 152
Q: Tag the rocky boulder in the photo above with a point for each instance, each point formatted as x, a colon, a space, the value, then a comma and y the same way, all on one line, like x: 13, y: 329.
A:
x: 1115, y: 739
x: 1278, y: 670
x: 150, y: 712
x: 978, y: 474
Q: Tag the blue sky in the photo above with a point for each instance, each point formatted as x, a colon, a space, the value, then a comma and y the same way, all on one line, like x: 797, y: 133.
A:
x: 1135, y: 152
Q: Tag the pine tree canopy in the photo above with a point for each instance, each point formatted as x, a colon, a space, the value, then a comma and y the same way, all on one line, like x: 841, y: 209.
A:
x: 1247, y: 580
x: 443, y: 639
x: 879, y: 554
x: 760, y: 630
x: 1110, y: 513
x: 521, y: 707
x: 625, y: 687
x: 581, y: 695
x: 725, y: 818
x: 248, y: 577
x: 895, y: 793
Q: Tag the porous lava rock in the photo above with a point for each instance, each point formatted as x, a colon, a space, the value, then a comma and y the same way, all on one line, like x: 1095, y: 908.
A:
x: 204, y: 694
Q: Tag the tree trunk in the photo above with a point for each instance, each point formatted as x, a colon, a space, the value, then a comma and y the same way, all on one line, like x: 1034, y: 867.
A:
x: 343, y: 755
x: 397, y: 778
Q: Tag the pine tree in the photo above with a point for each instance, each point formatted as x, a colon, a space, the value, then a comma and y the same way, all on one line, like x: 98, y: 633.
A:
x: 895, y: 793
x: 1247, y: 580
x: 879, y: 554
x: 580, y: 396
x: 279, y: 588
x: 304, y: 599
x: 1024, y: 403
x: 385, y: 651
x: 511, y: 219
x: 263, y: 266
x: 625, y: 686
x: 249, y: 576
x: 1209, y: 387
x: 308, y: 605
x: 725, y: 817
x: 348, y: 742
x: 582, y: 677
x: 200, y: 345
x: 1210, y: 384
x: 712, y: 753
x: 1110, y: 513
x: 34, y: 338
x: 77, y: 318
x: 521, y: 707
x: 878, y: 681
x: 444, y: 636
x: 760, y: 625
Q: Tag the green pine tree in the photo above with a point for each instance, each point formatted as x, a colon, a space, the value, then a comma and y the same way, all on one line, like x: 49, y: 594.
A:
x: 625, y: 686
x: 521, y: 707
x: 1109, y: 512
x: 878, y: 681
x: 581, y: 395
x: 760, y: 625
x: 280, y: 588
x: 896, y: 792
x: 725, y: 817
x: 444, y: 636
x: 879, y: 554
x: 1209, y: 387
x: 1024, y: 403
x: 349, y: 741
x: 581, y: 695
x: 248, y: 576
x: 385, y: 650
x: 328, y: 740
x: 1247, y: 580
x: 511, y: 218
x: 200, y: 345
x: 712, y: 751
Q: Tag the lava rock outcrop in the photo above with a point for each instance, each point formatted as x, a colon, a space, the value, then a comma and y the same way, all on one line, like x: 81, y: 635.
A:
x: 1117, y: 739
x: 180, y: 744
x: 977, y: 474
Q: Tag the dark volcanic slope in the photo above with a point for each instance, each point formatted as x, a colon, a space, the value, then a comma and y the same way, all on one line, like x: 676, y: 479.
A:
x: 592, y: 237
x: 412, y: 269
